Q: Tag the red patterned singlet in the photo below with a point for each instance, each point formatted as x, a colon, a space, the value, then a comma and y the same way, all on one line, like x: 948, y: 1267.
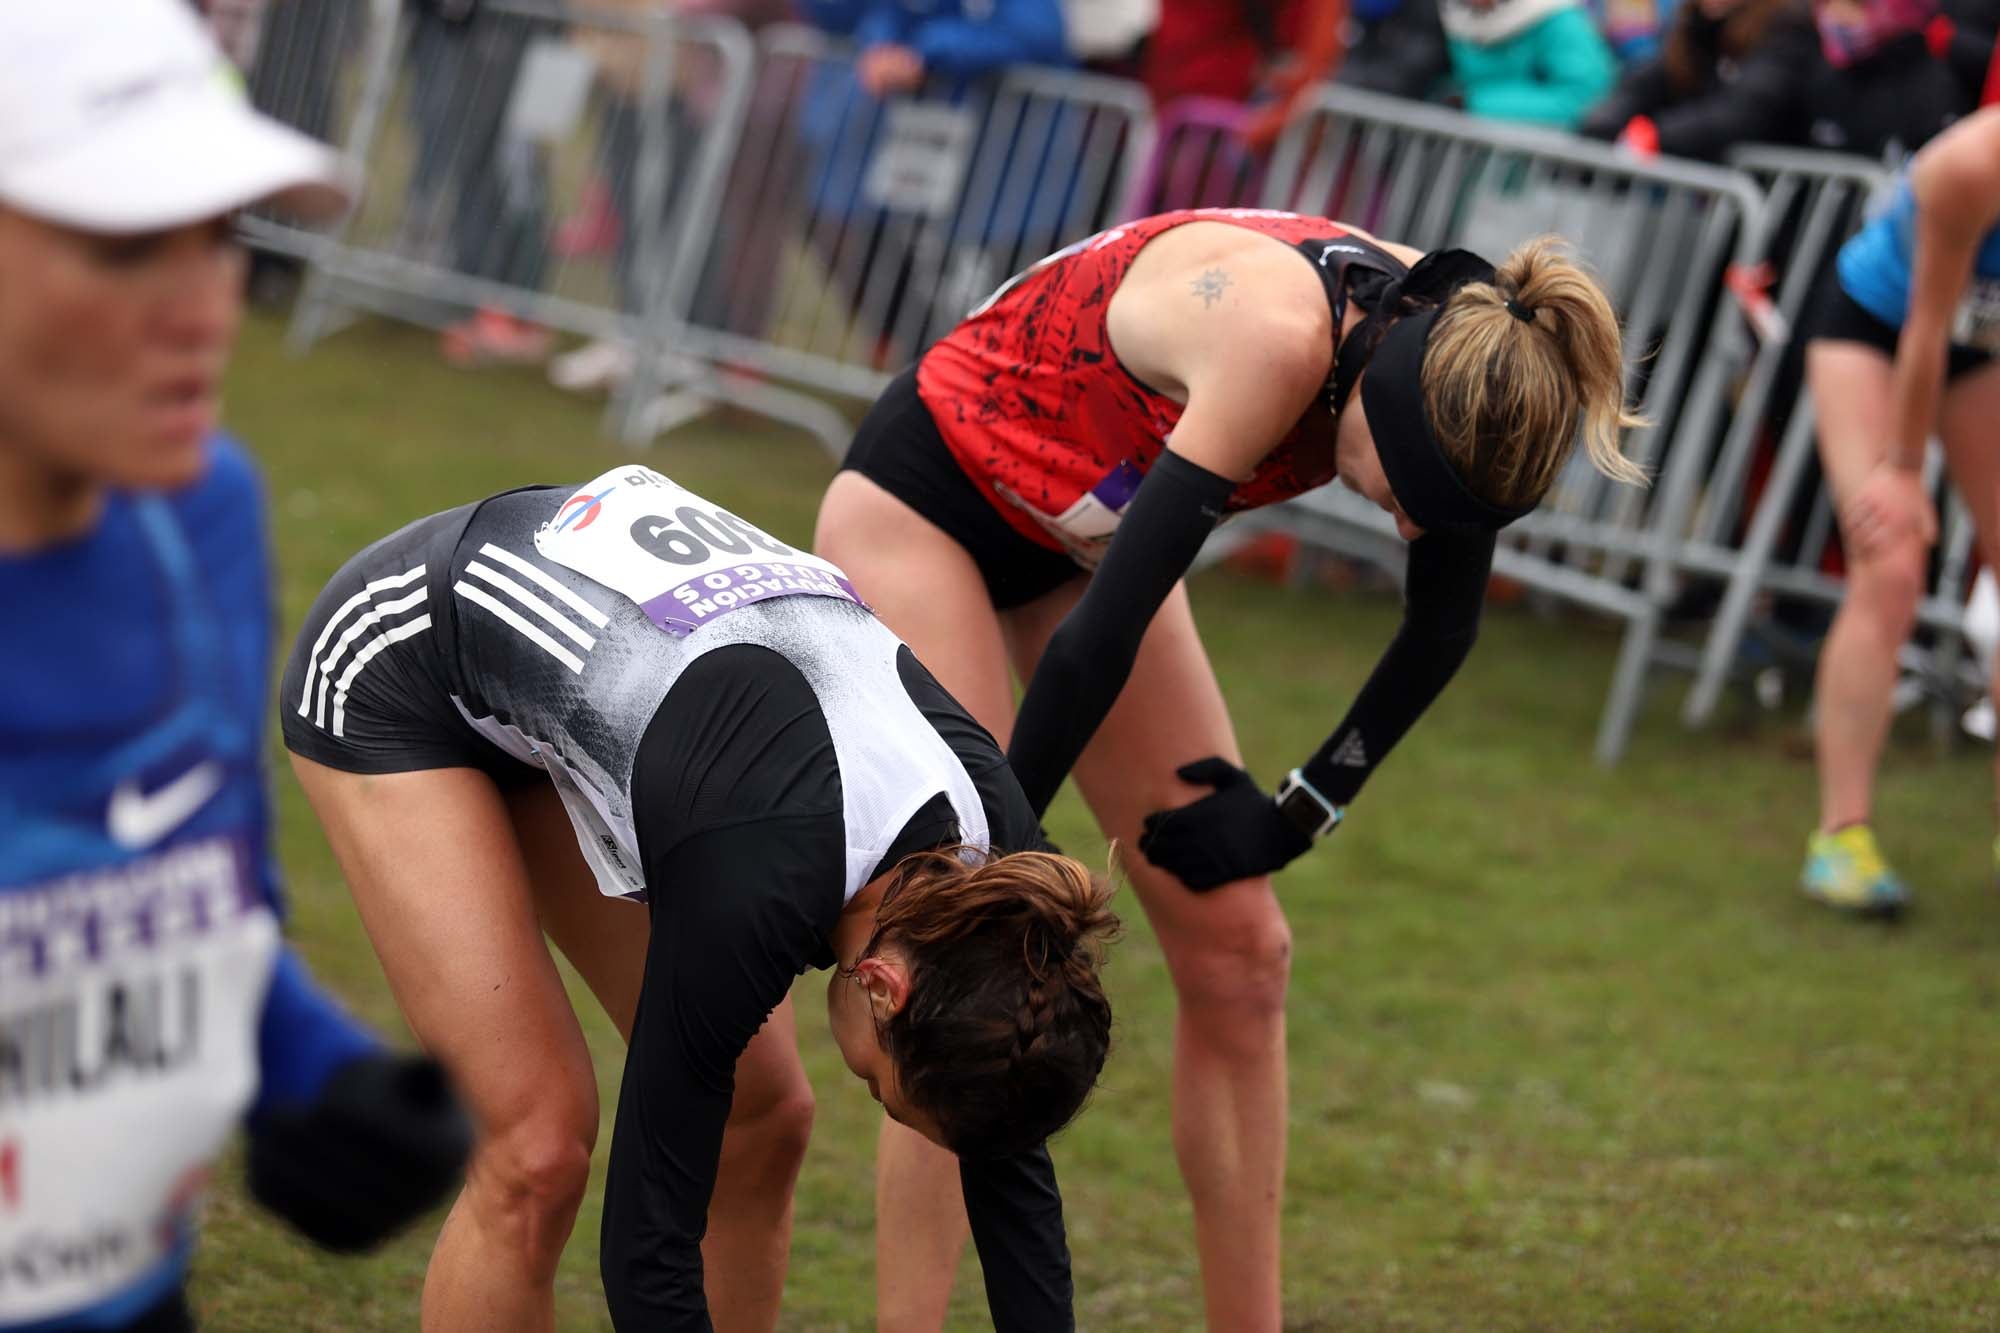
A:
x: 1052, y: 428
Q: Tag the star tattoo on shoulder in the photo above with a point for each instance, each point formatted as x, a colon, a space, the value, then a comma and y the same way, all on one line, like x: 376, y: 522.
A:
x: 1209, y: 286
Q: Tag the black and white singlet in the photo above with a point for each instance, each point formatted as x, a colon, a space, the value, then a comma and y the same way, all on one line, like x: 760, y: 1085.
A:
x: 737, y: 739
x: 508, y: 639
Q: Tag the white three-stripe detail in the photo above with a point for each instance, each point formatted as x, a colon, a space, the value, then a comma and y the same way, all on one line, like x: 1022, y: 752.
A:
x: 541, y: 608
x: 313, y: 668
x: 362, y: 659
x: 566, y: 595
x: 330, y: 662
x: 526, y: 628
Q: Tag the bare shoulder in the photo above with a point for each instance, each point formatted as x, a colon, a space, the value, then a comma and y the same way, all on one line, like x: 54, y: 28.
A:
x: 1207, y: 291
x: 1956, y: 177
x: 1217, y: 263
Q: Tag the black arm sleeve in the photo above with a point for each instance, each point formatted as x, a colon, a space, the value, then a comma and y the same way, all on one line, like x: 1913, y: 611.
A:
x: 1016, y: 1216
x: 744, y: 915
x: 1092, y: 651
x: 1443, y: 589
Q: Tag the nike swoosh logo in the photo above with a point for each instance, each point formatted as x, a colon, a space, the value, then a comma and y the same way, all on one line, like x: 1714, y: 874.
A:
x: 139, y: 819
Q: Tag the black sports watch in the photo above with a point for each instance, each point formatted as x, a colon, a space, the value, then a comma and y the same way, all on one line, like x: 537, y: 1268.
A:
x: 1305, y: 808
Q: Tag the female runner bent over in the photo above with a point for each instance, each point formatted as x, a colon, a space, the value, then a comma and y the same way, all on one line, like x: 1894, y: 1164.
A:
x: 720, y: 727
x: 1034, y: 491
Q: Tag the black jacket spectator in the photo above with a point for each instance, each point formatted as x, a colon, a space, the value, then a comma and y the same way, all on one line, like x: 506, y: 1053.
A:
x: 1726, y: 74
x: 1890, y: 103
x: 1396, y: 48
x: 1962, y: 36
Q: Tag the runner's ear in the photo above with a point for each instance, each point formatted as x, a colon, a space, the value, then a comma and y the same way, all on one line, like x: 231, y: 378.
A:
x: 887, y: 982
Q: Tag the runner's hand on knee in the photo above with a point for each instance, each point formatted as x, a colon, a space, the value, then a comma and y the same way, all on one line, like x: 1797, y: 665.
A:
x: 1235, y: 832
x: 1890, y: 503
x: 383, y: 1142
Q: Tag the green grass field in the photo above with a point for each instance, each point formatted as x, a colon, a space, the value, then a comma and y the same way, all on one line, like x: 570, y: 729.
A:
x: 1568, y: 1050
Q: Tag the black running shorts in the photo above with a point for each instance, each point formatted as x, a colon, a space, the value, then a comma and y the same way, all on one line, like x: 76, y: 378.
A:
x: 1838, y: 317
x: 899, y: 449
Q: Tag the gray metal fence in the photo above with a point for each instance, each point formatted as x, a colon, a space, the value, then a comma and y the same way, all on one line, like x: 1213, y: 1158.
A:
x: 785, y: 238
x: 315, y: 68
x: 1199, y: 160
x: 1660, y: 234
x: 853, y: 231
x: 483, y: 135
x: 1780, y: 552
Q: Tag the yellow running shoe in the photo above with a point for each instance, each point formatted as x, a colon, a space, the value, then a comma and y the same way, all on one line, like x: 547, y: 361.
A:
x: 1845, y: 869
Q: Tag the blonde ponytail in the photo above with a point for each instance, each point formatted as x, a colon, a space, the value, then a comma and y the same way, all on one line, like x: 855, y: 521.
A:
x: 1517, y: 368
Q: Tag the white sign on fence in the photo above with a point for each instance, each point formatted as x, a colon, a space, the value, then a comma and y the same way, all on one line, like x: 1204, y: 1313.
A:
x: 920, y: 158
x: 551, y: 92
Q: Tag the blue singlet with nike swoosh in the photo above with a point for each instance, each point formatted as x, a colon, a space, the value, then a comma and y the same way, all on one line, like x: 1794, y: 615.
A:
x: 146, y: 1001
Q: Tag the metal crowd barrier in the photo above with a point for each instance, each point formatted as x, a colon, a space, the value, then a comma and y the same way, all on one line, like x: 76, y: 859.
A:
x: 1199, y: 160
x: 852, y: 232
x: 1816, y: 202
x: 1659, y: 233
x: 312, y: 70
x: 780, y: 225
x: 482, y: 136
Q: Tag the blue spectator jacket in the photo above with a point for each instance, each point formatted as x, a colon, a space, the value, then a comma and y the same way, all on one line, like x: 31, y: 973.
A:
x: 960, y: 41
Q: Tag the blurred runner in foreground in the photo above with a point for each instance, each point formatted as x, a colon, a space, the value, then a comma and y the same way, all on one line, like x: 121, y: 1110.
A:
x: 147, y: 1003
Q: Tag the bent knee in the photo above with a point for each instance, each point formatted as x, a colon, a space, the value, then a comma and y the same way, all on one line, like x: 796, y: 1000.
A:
x: 1239, y: 967
x: 532, y: 1175
x: 776, y: 1132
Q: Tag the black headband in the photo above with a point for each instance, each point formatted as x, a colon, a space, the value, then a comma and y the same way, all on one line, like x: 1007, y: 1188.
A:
x: 1422, y: 477
x: 1389, y: 344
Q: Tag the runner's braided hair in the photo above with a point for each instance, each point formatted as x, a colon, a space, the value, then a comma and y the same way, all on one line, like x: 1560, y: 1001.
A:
x: 1006, y: 1026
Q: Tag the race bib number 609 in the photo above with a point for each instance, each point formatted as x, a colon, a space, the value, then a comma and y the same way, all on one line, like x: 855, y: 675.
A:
x: 684, y: 560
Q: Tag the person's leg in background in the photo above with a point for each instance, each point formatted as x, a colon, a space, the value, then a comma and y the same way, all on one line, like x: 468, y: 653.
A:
x: 499, y: 225
x: 1228, y: 951
x: 1851, y: 385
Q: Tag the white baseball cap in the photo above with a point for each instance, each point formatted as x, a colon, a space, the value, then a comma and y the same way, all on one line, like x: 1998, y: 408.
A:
x: 122, y: 116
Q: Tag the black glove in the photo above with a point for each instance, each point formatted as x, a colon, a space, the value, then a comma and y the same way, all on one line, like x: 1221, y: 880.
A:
x: 1234, y: 833
x: 384, y: 1141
